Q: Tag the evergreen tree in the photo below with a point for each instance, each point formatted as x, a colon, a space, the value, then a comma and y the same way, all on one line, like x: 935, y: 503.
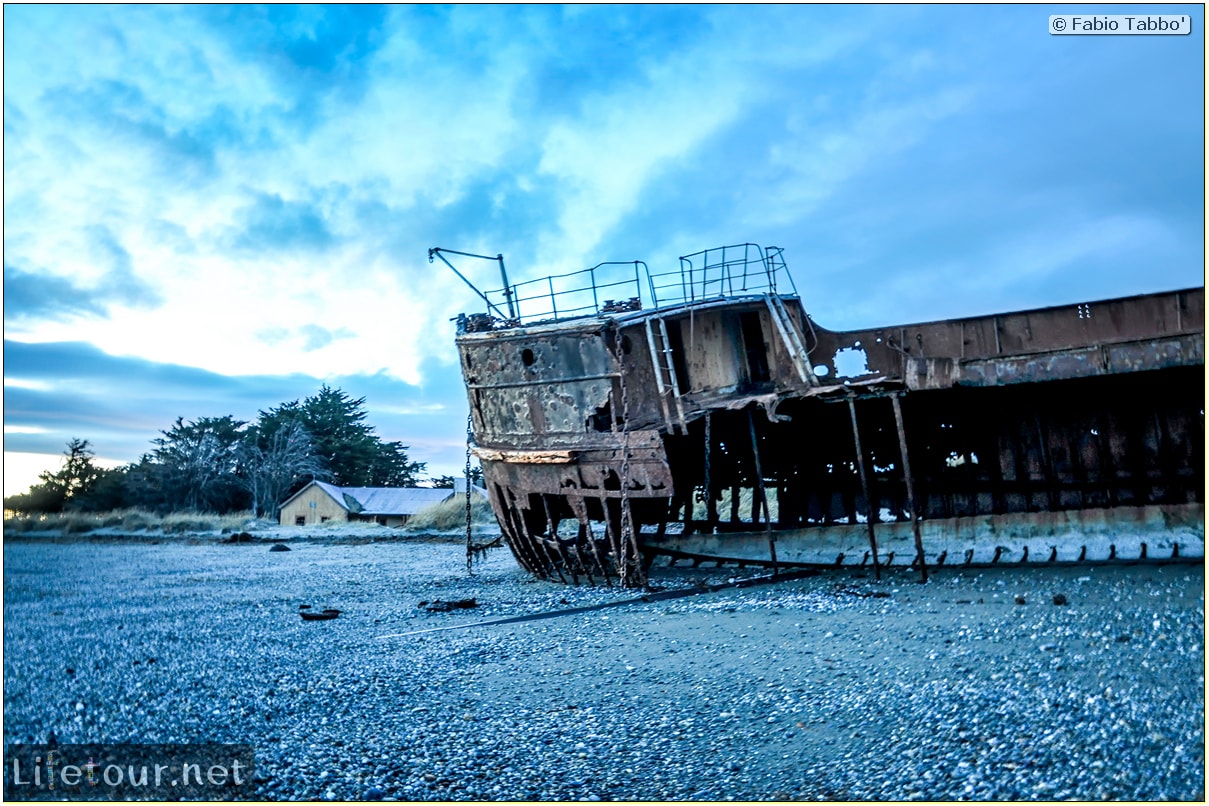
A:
x: 199, y: 462
x: 344, y: 444
x: 146, y: 485
x: 110, y: 491
x: 392, y: 468
x: 64, y: 489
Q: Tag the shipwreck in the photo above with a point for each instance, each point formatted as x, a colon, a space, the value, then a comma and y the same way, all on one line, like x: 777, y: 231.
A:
x: 623, y: 415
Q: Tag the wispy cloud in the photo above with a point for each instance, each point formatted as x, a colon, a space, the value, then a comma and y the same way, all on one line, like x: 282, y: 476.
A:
x: 38, y: 297
x: 126, y: 120
x: 271, y: 224
x: 33, y: 296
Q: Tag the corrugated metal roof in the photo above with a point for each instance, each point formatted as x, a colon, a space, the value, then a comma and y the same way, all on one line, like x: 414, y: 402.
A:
x: 396, y: 500
x: 385, y: 500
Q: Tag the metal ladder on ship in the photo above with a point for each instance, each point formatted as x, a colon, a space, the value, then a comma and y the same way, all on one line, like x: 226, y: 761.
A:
x: 792, y: 338
x: 665, y: 372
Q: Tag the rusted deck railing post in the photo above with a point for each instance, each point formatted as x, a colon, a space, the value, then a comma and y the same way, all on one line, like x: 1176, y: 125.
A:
x: 902, y: 446
x: 860, y: 464
x: 755, y: 450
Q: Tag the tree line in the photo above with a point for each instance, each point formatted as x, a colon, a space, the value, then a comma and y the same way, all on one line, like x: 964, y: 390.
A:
x: 221, y: 464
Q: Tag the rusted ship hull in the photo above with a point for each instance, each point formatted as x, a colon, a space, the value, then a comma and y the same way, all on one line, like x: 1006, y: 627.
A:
x: 727, y: 426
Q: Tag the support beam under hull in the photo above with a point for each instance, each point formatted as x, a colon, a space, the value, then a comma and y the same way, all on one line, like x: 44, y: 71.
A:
x: 1087, y: 535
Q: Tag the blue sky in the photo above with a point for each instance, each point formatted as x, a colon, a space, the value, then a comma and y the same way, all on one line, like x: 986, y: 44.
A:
x: 212, y: 210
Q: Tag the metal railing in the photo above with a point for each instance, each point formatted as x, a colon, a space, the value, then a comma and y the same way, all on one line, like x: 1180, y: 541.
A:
x: 616, y: 286
x: 605, y: 288
x: 724, y: 271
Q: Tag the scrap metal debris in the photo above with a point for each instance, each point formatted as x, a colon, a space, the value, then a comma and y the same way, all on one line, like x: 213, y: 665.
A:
x: 439, y: 606
x: 309, y: 614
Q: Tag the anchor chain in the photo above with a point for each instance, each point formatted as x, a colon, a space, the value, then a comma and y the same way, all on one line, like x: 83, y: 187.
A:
x: 709, y: 490
x: 471, y: 548
x: 469, y: 545
x: 628, y: 539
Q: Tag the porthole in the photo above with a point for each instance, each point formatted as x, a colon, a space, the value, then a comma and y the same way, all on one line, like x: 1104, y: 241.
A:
x: 527, y: 357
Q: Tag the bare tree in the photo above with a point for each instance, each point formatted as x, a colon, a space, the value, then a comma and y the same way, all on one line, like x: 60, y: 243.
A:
x: 269, y: 470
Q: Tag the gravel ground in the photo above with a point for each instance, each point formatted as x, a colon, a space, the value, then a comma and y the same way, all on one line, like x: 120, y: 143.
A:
x: 975, y: 686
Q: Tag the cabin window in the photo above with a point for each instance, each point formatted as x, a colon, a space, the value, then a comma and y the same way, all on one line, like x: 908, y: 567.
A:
x: 300, y: 520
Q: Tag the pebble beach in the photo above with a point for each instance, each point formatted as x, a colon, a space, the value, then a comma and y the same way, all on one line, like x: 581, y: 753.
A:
x: 1037, y: 684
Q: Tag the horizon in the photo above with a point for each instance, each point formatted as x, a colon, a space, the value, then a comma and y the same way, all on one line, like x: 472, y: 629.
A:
x: 218, y: 223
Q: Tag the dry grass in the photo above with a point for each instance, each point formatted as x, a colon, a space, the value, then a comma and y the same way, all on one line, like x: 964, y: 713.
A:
x: 745, y: 497
x: 127, y: 520
x: 451, y: 514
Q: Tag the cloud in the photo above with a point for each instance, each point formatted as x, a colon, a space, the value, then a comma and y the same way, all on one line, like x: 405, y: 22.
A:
x: 616, y: 48
x: 312, y: 337
x: 121, y: 114
x: 120, y: 284
x: 33, y: 296
x: 30, y: 295
x: 316, y: 337
x: 273, y: 224
x: 308, y: 46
